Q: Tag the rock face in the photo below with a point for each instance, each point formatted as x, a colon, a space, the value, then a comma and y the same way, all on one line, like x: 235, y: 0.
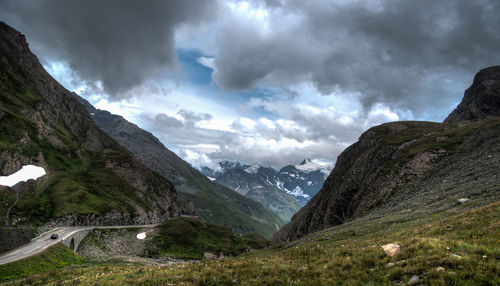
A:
x: 411, y: 167
x: 214, y: 203
x: 90, y: 178
x: 481, y: 99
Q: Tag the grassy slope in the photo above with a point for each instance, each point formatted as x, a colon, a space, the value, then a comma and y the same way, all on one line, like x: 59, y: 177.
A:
x: 55, y: 257
x: 345, y: 255
x: 75, y: 185
x: 190, y: 238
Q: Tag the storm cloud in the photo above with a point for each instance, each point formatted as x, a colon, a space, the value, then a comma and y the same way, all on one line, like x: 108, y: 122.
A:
x: 118, y: 43
x: 400, y: 53
x: 314, y: 74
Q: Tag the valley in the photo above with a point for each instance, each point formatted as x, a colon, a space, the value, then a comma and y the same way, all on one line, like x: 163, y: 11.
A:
x: 88, y: 197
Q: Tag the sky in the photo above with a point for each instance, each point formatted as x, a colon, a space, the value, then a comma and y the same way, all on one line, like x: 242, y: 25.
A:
x: 265, y: 81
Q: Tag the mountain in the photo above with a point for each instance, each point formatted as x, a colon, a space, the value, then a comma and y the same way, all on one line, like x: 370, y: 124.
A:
x: 90, y: 179
x: 303, y: 180
x: 283, y: 191
x: 413, y: 168
x: 481, y: 99
x: 214, y: 203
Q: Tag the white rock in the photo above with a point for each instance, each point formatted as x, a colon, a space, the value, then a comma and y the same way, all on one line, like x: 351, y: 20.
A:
x: 391, y: 249
x: 463, y: 200
x: 413, y: 280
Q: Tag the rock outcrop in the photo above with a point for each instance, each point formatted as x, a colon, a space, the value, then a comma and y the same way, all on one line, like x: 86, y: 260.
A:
x: 412, y: 167
x: 90, y: 177
x: 481, y: 99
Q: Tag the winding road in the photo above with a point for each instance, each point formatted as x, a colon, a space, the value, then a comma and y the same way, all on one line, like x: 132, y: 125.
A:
x: 43, y: 241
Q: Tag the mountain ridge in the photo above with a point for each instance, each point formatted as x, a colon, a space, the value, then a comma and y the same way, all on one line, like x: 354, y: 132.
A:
x: 420, y: 167
x: 90, y: 178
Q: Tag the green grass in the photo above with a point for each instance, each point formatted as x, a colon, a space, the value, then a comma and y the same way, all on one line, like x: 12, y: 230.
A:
x: 55, y: 257
x: 190, y: 238
x: 78, y: 187
x: 425, y: 137
x: 344, y: 255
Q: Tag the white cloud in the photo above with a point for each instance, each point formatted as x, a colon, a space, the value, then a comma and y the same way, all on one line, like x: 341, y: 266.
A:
x: 196, y: 159
x: 207, y: 61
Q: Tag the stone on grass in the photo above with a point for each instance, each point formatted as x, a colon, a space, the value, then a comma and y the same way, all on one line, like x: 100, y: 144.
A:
x: 391, y: 249
x: 463, y: 200
x: 211, y: 256
x: 414, y: 280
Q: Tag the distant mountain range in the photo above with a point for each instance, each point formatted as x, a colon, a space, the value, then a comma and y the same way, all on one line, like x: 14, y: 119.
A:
x: 284, y: 191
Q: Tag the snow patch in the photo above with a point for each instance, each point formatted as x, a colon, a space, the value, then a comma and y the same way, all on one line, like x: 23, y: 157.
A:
x: 210, y: 178
x: 298, y: 192
x: 309, y: 166
x: 26, y: 173
x: 252, y: 169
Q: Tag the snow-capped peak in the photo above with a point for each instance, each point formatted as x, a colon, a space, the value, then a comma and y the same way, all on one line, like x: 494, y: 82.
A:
x: 305, y: 161
x: 253, y: 169
x: 307, y: 166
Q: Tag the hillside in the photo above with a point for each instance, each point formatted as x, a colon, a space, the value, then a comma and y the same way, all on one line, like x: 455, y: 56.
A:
x: 214, y: 203
x: 441, y: 249
x: 416, y: 167
x: 90, y: 178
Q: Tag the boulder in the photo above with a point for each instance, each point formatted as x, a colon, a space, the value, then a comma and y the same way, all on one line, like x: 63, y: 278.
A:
x: 391, y: 249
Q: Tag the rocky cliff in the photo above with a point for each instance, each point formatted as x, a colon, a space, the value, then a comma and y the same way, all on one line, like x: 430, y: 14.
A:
x: 412, y: 167
x: 481, y: 99
x: 90, y: 178
x: 213, y: 202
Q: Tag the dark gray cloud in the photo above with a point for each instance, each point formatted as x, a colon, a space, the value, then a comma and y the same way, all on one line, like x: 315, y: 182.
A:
x: 191, y: 117
x: 389, y: 51
x: 164, y: 121
x: 120, y: 43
